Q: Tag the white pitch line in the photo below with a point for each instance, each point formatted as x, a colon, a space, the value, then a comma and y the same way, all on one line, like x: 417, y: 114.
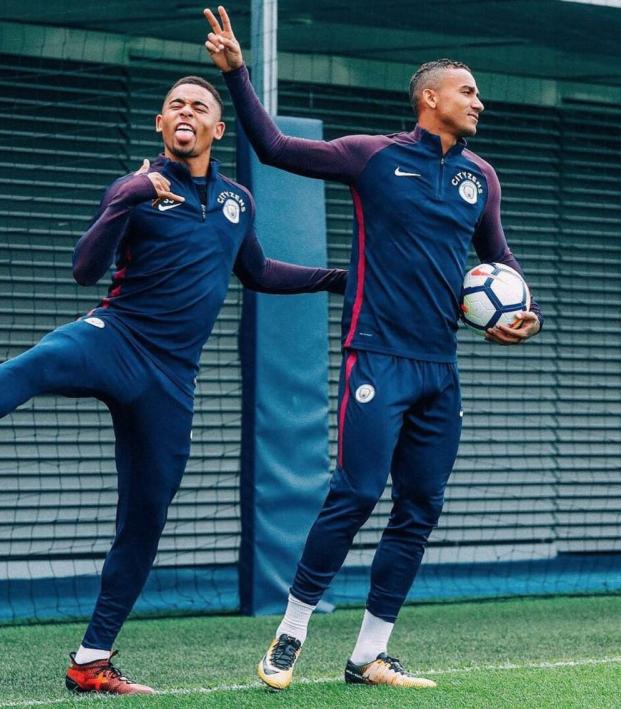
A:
x: 528, y: 666
x: 325, y: 680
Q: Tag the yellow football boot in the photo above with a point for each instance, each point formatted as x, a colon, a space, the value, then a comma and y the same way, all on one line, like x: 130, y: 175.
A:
x: 384, y: 670
x: 276, y: 667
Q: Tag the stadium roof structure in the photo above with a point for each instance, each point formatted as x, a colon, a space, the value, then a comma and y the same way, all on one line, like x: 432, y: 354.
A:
x: 566, y: 40
x: 537, y: 52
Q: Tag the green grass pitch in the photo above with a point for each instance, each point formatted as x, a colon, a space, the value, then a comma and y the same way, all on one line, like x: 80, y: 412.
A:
x: 542, y: 653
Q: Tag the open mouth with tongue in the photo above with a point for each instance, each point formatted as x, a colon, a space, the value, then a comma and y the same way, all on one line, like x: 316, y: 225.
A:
x: 184, y: 132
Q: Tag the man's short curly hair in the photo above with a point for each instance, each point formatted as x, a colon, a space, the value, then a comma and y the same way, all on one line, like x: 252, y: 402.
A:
x: 428, y: 76
x: 197, y: 81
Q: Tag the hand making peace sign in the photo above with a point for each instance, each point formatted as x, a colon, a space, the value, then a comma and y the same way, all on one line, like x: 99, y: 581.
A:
x: 221, y: 44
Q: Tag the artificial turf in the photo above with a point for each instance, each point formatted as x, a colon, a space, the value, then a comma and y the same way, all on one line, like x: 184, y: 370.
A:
x: 560, y: 652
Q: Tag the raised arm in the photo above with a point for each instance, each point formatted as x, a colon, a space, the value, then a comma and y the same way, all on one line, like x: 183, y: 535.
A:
x: 266, y: 275
x: 95, y: 249
x: 342, y: 159
x: 491, y: 245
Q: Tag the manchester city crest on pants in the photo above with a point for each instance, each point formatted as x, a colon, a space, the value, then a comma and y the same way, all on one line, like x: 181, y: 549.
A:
x: 95, y: 322
x: 364, y: 393
x: 231, y: 211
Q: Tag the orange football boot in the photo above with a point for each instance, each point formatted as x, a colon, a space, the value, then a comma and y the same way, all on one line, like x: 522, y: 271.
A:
x: 101, y: 676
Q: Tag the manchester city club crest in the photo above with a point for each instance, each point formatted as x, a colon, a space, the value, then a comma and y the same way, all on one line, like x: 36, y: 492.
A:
x: 468, y: 185
x: 364, y: 393
x: 231, y: 211
x: 468, y: 191
x: 95, y: 322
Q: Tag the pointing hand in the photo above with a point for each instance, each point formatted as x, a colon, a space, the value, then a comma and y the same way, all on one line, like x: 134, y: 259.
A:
x: 161, y: 184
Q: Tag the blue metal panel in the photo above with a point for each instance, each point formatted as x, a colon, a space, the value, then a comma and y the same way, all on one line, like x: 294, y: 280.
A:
x: 284, y: 349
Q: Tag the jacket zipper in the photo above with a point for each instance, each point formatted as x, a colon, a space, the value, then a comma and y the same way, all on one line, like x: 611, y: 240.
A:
x: 203, y: 206
x: 440, y: 178
x: 198, y: 195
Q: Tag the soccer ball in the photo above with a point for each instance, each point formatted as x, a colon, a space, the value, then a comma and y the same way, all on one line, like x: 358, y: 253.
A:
x: 493, y: 294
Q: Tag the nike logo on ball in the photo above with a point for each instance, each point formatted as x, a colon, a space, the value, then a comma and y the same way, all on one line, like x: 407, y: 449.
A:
x: 399, y: 173
x: 481, y: 272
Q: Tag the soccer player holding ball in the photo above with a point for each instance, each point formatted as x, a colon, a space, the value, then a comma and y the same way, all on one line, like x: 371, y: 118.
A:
x: 175, y: 230
x: 420, y: 199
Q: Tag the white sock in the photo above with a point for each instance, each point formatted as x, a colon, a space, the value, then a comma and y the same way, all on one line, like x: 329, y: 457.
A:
x: 89, y: 654
x: 372, y: 639
x: 295, y: 620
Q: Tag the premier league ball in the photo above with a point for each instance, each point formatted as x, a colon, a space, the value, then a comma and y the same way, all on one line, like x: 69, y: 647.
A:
x: 493, y: 294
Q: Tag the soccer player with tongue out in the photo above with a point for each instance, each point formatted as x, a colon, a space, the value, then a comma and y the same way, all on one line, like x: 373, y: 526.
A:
x: 175, y: 230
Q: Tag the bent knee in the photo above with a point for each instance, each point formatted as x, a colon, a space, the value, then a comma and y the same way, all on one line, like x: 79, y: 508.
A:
x: 426, y: 508
x: 366, y: 499
x: 357, y: 497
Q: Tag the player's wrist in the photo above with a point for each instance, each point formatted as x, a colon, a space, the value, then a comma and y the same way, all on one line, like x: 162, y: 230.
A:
x: 232, y: 70
x: 134, y: 191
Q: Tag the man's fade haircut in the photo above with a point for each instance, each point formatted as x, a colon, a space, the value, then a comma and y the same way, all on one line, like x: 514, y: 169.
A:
x: 428, y: 75
x: 197, y: 81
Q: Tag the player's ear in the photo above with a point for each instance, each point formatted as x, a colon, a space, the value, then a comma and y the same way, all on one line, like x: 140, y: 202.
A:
x: 430, y: 98
x: 218, y: 130
x: 158, y: 123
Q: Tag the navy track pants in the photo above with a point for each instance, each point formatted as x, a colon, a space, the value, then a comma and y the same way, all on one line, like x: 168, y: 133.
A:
x: 152, y: 420
x: 400, y: 417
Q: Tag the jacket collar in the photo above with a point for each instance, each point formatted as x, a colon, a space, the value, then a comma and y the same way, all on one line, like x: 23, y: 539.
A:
x: 433, y: 141
x: 179, y: 170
